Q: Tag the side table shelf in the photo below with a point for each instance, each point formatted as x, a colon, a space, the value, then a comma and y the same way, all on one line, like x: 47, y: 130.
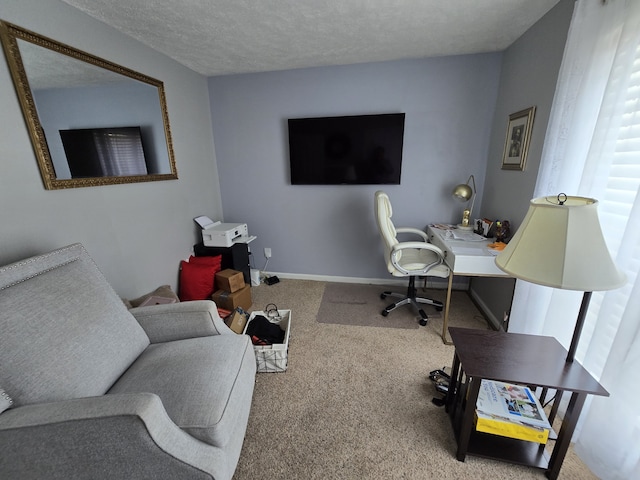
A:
x: 521, y: 359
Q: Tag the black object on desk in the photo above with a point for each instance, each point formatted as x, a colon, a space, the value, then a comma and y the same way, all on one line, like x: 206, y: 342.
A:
x: 514, y: 358
x: 235, y: 257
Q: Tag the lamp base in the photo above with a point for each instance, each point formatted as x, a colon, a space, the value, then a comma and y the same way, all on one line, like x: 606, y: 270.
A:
x: 464, y: 227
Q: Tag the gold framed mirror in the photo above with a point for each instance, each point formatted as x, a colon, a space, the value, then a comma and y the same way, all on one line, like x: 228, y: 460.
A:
x: 91, y: 122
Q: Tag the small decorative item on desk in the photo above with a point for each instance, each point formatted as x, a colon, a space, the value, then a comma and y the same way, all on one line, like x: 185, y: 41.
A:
x: 496, y: 247
x: 503, y: 231
x: 483, y: 226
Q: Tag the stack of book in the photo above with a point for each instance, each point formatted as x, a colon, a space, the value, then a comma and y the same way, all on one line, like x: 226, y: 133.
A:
x: 511, y: 411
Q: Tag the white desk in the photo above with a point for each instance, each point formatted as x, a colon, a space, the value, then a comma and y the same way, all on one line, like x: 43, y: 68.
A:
x: 465, y: 258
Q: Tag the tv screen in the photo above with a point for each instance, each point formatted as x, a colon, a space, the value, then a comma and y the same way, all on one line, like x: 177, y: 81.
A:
x: 348, y: 150
x: 104, y: 152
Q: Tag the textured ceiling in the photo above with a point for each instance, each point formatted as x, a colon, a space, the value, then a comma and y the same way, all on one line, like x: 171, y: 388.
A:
x: 216, y: 37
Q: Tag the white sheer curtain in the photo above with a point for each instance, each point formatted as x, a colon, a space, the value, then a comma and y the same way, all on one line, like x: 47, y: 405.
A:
x: 592, y: 148
x: 120, y: 152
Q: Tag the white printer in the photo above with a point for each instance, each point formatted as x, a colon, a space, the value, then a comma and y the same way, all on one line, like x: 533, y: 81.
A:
x: 218, y: 234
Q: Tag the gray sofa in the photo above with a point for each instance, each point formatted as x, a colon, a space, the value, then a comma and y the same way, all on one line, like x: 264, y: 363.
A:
x: 100, y: 391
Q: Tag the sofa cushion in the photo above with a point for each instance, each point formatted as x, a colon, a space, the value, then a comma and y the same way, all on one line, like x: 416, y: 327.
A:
x: 204, y: 383
x: 65, y: 332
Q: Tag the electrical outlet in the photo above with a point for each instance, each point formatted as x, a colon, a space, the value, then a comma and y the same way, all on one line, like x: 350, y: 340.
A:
x: 267, y: 252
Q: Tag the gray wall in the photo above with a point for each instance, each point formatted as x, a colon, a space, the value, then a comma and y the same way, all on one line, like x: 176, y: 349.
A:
x: 529, y: 73
x: 137, y: 233
x: 330, y: 230
x: 456, y: 107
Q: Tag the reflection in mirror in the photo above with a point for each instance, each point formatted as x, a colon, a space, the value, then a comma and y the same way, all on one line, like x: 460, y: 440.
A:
x: 91, y: 122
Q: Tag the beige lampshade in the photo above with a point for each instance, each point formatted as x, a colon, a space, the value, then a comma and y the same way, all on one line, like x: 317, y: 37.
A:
x: 561, y: 246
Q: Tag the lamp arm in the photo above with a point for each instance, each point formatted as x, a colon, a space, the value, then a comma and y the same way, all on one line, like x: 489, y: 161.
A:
x: 584, y: 306
x: 472, y: 179
x: 473, y: 201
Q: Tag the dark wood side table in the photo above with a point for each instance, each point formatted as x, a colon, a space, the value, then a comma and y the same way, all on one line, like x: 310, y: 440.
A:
x: 514, y: 358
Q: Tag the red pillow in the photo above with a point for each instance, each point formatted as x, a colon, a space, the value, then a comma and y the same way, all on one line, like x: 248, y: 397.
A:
x: 215, y: 261
x: 196, y: 281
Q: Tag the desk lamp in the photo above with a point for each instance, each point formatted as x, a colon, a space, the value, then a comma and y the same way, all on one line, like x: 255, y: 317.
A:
x: 560, y: 244
x: 464, y: 193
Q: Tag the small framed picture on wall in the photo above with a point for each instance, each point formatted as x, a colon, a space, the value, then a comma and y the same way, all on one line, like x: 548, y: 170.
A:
x: 516, y: 144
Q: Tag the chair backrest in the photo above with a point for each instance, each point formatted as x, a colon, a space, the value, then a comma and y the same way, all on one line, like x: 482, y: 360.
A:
x: 384, y: 212
x: 64, y: 332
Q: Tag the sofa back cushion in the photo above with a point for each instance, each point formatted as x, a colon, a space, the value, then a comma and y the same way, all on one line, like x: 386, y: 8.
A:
x: 65, y: 333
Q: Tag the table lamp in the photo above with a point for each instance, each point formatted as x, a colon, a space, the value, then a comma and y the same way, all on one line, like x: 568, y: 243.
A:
x: 560, y: 244
x: 464, y: 193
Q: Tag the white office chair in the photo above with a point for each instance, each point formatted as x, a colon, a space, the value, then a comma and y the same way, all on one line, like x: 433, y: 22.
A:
x: 408, y: 259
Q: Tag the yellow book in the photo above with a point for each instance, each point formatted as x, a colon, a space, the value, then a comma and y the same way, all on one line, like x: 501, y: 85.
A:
x: 511, y: 411
x: 503, y: 427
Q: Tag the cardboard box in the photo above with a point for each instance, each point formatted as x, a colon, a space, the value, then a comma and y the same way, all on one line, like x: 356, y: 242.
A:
x: 232, y: 300
x: 273, y: 358
x: 229, y: 280
x: 237, y: 321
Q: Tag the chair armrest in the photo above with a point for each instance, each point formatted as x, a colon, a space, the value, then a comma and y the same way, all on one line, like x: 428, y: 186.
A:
x: 419, y: 246
x: 438, y: 256
x: 111, y: 436
x: 414, y: 231
x: 177, y: 321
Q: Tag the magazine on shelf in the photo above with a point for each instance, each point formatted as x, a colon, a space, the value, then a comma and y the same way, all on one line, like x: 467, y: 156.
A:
x: 512, y: 411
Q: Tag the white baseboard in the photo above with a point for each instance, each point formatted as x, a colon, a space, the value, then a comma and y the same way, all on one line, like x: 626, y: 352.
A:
x: 491, y: 318
x: 458, y: 284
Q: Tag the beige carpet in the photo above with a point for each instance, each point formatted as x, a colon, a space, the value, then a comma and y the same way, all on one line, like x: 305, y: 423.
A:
x: 354, y: 304
x: 355, y: 402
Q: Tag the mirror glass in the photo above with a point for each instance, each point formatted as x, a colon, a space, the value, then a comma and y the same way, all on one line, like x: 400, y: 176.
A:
x: 91, y: 122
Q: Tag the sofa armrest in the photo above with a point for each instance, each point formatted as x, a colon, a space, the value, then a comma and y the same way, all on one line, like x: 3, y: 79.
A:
x: 177, y: 321
x: 111, y: 436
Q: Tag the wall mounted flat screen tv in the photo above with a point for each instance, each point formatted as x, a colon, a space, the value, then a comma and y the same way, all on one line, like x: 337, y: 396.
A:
x: 348, y: 150
x: 104, y: 152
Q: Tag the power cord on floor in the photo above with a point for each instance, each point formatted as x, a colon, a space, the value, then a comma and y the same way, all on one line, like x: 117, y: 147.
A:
x: 268, y: 279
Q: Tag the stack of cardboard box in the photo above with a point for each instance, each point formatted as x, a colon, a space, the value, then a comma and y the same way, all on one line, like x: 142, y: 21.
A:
x: 232, y: 293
